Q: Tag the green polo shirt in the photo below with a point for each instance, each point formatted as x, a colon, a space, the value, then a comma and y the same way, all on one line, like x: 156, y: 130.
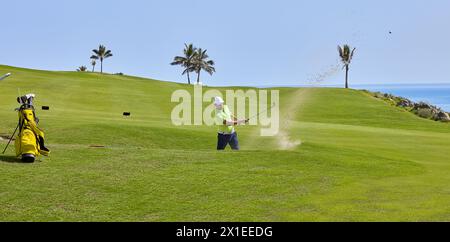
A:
x: 222, y: 115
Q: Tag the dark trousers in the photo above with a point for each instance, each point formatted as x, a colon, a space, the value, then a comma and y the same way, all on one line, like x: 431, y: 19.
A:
x: 224, y: 139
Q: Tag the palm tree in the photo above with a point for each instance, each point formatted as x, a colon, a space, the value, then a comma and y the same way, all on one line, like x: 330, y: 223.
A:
x: 346, y: 58
x: 201, y: 62
x: 93, y: 63
x: 101, y: 53
x: 186, y: 60
x: 82, y: 68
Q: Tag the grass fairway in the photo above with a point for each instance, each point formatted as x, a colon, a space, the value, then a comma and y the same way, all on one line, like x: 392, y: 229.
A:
x: 360, y: 159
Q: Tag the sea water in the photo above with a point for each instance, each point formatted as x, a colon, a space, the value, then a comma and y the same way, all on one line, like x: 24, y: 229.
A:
x: 435, y: 94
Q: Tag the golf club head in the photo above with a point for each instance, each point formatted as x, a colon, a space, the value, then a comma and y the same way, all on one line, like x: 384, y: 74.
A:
x: 26, y: 99
x: 5, y: 76
x: 30, y: 97
x: 21, y: 100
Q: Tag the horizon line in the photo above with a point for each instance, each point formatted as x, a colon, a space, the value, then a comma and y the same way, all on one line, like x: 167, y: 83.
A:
x: 338, y: 85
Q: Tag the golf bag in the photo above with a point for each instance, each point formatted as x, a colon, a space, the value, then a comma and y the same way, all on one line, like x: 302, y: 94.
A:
x: 29, y: 142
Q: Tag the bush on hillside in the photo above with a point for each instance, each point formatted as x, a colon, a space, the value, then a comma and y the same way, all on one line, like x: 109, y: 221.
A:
x: 421, y: 109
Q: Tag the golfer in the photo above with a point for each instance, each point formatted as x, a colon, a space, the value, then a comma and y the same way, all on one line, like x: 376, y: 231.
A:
x: 226, y: 122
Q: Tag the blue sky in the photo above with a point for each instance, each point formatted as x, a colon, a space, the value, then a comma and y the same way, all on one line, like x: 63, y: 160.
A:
x: 253, y: 42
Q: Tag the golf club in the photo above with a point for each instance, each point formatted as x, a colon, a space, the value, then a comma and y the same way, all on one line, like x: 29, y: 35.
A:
x: 5, y: 76
x: 267, y: 109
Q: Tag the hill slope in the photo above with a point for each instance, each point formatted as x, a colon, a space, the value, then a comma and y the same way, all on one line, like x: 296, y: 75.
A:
x: 359, y: 159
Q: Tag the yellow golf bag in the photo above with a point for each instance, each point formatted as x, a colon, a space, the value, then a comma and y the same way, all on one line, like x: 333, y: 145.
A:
x: 29, y: 142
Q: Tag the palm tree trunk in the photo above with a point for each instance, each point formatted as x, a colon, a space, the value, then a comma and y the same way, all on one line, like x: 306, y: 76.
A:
x: 189, y: 79
x: 93, y: 68
x: 101, y: 66
x: 198, y: 77
x: 346, y: 76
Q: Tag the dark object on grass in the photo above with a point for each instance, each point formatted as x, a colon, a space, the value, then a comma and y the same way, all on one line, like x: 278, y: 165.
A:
x: 96, y: 146
x: 28, y: 158
x: 45, y: 108
x: 126, y: 114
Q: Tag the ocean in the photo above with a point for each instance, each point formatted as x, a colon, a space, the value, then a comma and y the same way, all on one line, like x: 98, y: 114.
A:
x: 436, y: 94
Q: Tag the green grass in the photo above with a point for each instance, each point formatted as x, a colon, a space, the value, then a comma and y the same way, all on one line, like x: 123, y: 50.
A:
x: 360, y: 158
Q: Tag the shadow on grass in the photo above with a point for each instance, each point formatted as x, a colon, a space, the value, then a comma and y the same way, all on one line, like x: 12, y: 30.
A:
x: 10, y: 159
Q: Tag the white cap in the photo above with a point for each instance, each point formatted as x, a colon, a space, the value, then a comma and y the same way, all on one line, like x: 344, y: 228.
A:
x: 218, y: 101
